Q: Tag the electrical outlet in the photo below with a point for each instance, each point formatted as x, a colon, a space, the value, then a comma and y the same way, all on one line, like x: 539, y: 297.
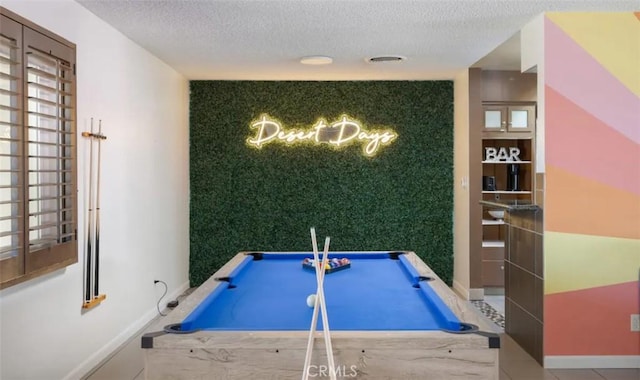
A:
x: 635, y: 322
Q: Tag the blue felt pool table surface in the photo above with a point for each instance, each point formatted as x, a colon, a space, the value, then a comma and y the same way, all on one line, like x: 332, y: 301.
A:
x: 375, y: 293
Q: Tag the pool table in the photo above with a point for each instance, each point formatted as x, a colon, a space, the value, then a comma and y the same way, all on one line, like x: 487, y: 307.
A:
x: 390, y: 317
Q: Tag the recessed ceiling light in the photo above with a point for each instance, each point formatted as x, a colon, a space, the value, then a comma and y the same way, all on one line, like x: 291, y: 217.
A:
x: 386, y: 58
x: 316, y: 60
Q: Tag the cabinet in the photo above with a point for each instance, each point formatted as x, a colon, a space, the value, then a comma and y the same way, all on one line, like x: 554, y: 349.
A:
x: 508, y: 174
x: 493, y: 265
x: 502, y: 119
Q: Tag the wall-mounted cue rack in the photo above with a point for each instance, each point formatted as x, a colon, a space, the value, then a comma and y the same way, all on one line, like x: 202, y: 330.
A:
x: 92, y: 296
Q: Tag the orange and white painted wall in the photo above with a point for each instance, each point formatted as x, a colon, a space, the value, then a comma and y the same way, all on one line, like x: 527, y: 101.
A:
x: 589, y: 87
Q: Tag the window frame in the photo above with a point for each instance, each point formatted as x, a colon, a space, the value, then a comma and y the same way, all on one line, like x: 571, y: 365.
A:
x: 34, y: 262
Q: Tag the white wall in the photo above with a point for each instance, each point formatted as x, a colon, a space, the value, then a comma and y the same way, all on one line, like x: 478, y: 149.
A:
x: 532, y: 59
x: 461, y: 253
x: 143, y: 105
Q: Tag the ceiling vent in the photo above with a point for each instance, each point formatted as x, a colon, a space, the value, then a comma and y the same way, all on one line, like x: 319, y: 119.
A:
x: 316, y: 60
x: 386, y: 58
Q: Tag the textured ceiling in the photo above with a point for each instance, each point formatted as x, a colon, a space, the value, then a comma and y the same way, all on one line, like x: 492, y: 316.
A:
x: 264, y: 40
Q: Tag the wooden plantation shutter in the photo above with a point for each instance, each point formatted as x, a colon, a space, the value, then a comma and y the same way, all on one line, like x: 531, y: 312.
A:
x: 38, y: 206
x: 50, y: 145
x: 11, y: 151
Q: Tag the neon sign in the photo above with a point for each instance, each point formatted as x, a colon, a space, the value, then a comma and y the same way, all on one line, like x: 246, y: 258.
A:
x: 342, y: 132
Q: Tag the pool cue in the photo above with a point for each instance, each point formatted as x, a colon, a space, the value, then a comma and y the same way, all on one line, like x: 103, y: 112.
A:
x: 97, y: 248
x: 89, y: 235
x: 319, y: 304
x: 314, y: 318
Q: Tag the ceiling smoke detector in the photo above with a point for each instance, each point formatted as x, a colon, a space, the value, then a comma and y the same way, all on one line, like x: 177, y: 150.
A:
x: 386, y: 58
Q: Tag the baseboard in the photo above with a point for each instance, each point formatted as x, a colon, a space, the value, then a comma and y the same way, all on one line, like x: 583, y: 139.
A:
x: 476, y: 294
x: 494, y: 291
x: 468, y: 294
x: 600, y: 361
x: 460, y: 290
x: 111, y: 348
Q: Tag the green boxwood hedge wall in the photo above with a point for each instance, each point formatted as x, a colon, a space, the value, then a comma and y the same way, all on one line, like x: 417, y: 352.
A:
x: 243, y: 198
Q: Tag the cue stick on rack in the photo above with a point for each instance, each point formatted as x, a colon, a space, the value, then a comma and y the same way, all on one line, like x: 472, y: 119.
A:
x: 89, y: 234
x: 97, y: 232
x: 319, y: 303
x: 92, y: 255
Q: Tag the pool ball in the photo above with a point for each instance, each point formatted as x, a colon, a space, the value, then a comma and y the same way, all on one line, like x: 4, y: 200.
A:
x: 311, y: 300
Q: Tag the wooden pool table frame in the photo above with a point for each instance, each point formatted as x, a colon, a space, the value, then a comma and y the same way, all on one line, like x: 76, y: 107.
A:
x: 358, y: 354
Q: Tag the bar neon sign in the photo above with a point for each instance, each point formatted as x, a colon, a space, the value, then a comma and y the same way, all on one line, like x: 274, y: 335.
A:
x: 342, y: 132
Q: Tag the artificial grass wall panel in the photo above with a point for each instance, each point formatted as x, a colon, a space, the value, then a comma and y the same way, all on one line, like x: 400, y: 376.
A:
x: 266, y: 199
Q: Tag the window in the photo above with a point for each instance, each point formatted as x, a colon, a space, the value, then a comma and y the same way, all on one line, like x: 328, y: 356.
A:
x: 38, y: 204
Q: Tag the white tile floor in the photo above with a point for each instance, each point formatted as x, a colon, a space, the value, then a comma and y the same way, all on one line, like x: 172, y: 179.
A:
x: 515, y: 364
x: 496, y: 302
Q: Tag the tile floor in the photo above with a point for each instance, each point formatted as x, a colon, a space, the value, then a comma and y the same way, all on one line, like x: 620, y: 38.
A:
x: 497, y: 302
x: 492, y: 308
x: 515, y: 363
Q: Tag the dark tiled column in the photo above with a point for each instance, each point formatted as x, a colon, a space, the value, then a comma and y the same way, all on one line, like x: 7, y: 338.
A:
x: 524, y: 280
